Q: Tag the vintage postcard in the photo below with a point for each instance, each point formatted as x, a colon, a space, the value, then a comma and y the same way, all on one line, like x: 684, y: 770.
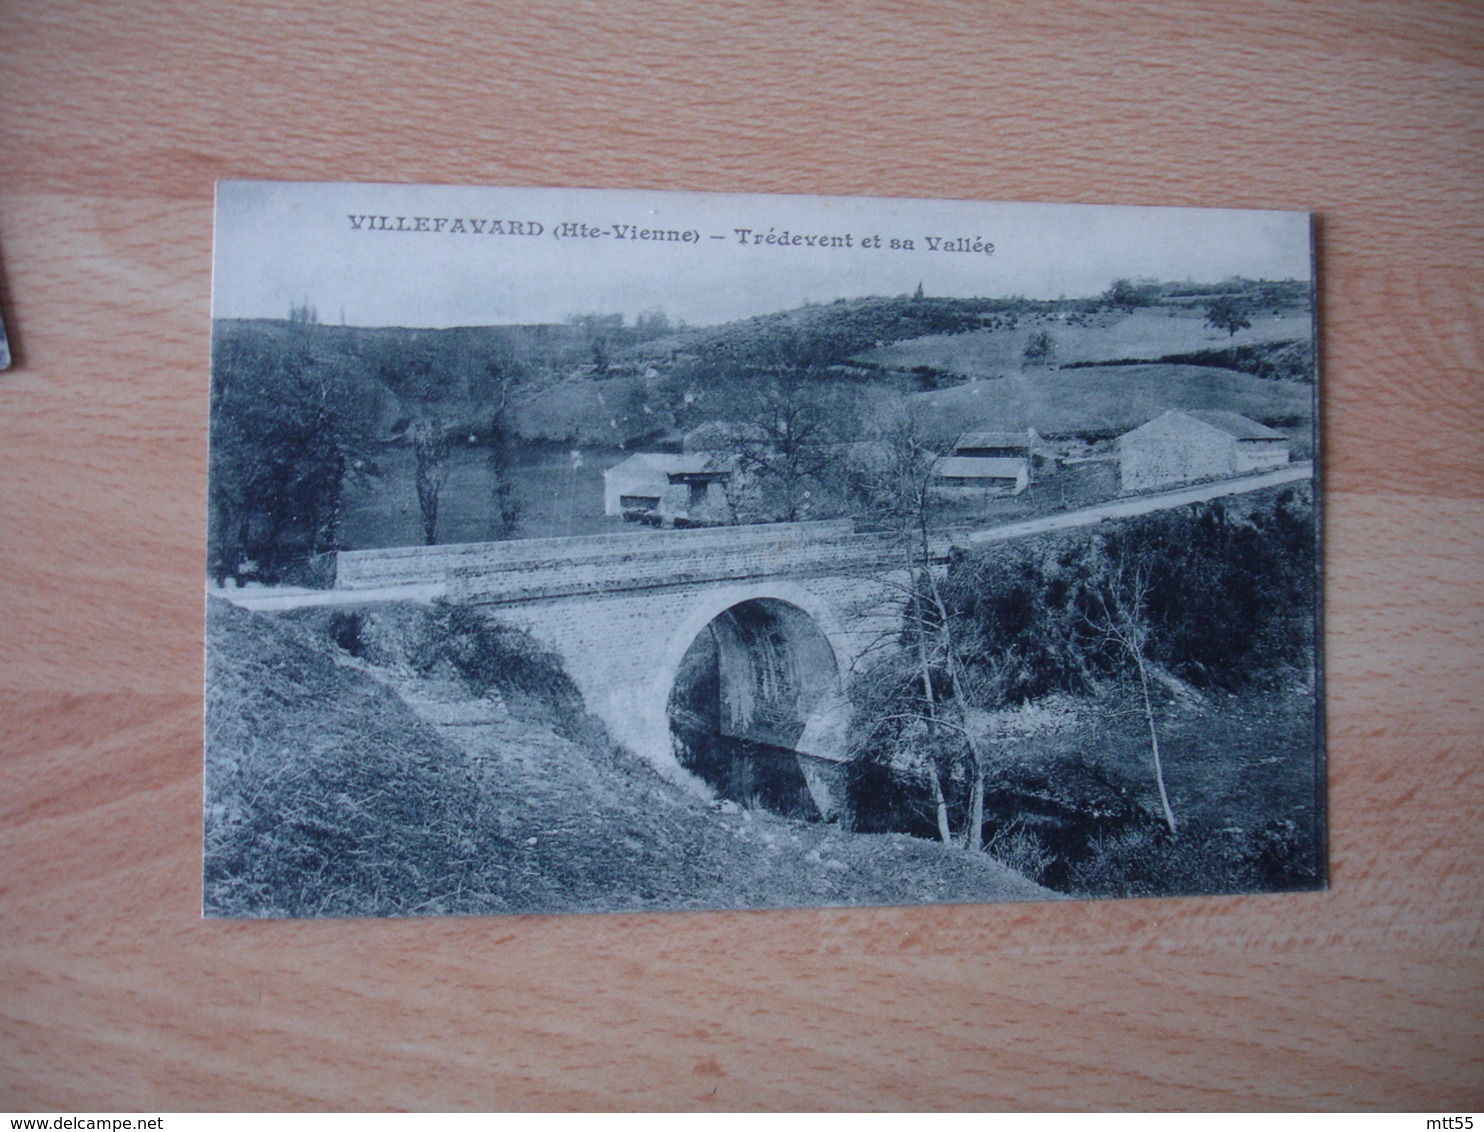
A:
x: 578, y: 550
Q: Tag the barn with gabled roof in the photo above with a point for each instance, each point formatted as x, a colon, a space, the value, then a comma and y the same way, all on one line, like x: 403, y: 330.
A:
x: 966, y: 477
x: 1183, y: 445
x: 669, y: 488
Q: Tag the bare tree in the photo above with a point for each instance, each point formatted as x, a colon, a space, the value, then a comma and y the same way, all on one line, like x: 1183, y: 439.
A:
x: 787, y: 447
x: 1122, y: 621
x: 430, y: 447
x: 789, y: 419
x: 493, y: 380
x: 952, y: 698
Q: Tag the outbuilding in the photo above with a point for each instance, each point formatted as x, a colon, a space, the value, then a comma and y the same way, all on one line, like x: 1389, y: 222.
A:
x: 971, y: 477
x: 1183, y: 445
x: 669, y: 488
x: 1006, y: 445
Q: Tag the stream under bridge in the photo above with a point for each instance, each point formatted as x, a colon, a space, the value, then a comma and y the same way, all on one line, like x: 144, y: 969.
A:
x: 743, y: 634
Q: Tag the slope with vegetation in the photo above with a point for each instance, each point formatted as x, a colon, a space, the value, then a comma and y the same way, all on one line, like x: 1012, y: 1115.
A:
x: 1125, y: 711
x: 398, y: 760
x: 1103, y: 401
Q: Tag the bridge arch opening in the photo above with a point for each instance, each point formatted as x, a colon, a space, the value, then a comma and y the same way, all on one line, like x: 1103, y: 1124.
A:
x: 755, y: 709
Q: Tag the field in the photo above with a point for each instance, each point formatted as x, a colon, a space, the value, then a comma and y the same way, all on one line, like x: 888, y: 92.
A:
x: 1106, y: 400
x: 558, y: 496
x: 1104, y: 337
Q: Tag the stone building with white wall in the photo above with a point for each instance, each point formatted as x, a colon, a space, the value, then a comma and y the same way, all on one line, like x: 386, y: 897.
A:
x: 1183, y: 445
x: 973, y: 477
x: 667, y: 488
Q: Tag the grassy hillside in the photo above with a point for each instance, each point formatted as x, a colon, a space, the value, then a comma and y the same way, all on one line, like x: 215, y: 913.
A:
x: 1104, y: 400
x: 397, y: 760
x: 314, y: 427
x: 1106, y: 336
x: 302, y: 759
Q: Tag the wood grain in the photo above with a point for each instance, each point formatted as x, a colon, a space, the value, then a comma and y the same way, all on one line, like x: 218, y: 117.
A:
x: 117, y: 118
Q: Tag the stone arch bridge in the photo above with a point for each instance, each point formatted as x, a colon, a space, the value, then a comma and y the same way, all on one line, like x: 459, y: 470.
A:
x: 766, y: 619
x: 763, y: 621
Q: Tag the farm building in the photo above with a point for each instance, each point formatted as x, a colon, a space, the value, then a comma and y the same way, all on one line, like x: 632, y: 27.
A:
x: 666, y: 488
x: 1187, y: 444
x: 1004, y: 445
x: 987, y: 463
x: 965, y: 477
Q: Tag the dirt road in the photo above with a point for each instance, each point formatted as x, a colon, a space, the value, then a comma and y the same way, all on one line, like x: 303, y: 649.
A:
x: 1139, y: 505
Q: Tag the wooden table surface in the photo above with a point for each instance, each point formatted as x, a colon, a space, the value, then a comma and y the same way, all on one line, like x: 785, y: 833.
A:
x: 115, y: 118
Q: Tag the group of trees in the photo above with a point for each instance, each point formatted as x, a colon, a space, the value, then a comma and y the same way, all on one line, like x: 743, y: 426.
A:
x: 460, y: 394
x: 1127, y: 294
x: 300, y: 411
x: 787, y: 416
x: 601, y: 337
x: 289, y: 426
x: 1212, y: 596
x: 1227, y: 306
x: 920, y: 698
x: 1224, y: 303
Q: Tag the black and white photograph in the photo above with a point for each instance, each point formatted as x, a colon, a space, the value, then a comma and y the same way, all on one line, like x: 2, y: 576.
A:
x: 579, y: 550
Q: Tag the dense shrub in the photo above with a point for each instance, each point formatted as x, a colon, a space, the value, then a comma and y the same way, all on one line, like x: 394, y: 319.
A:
x: 460, y: 642
x: 1226, y: 604
x: 1231, y: 598
x: 1020, y: 849
x: 1144, y: 860
x: 490, y: 655
x: 345, y: 631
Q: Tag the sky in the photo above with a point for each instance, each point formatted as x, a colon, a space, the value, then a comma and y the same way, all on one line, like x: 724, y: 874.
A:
x: 436, y: 256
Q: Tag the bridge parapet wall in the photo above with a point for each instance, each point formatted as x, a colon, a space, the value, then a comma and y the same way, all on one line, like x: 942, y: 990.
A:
x: 548, y: 568
x: 416, y: 565
x: 698, y: 566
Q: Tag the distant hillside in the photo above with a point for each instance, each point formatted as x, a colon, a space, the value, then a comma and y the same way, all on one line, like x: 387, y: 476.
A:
x: 1105, y: 400
x: 316, y: 426
x: 832, y: 333
x: 597, y: 380
x: 1148, y: 334
x: 558, y: 342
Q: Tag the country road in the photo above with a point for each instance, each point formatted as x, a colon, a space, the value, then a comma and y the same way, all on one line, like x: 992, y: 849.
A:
x: 1140, y: 505
x: 282, y: 597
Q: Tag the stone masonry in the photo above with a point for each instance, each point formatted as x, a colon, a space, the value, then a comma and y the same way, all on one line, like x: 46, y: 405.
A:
x: 622, y: 610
